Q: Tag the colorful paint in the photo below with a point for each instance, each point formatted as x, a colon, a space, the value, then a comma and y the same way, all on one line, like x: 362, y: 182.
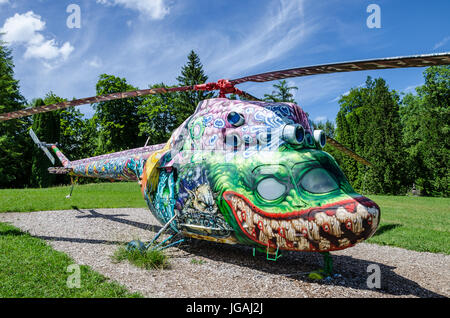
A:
x: 255, y: 179
x: 244, y: 172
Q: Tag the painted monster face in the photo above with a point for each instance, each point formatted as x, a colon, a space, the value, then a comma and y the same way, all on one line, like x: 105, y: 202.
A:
x: 294, y: 200
x: 272, y: 183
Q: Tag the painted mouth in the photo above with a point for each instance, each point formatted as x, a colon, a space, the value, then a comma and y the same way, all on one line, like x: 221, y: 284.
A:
x: 329, y: 227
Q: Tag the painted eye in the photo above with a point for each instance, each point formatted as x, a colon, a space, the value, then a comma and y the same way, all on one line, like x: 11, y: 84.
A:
x: 235, y: 119
x: 270, y: 189
x: 318, y: 181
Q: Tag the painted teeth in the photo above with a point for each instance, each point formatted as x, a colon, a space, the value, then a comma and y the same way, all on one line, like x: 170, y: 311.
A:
x: 274, y: 224
x: 263, y: 238
x: 299, y: 233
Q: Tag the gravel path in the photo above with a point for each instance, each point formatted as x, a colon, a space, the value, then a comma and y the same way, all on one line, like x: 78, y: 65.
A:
x: 90, y: 237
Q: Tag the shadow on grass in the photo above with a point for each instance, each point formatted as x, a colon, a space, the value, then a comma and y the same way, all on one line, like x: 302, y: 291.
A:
x: 77, y: 240
x: 386, y: 228
x: 12, y: 232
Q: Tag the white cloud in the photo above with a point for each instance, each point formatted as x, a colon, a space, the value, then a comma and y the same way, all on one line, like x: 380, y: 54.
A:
x: 96, y: 62
x: 24, y: 29
x: 411, y: 88
x: 340, y: 96
x: 4, y: 2
x: 345, y: 94
x: 282, y: 29
x: 320, y: 118
x: 441, y: 43
x: 154, y: 9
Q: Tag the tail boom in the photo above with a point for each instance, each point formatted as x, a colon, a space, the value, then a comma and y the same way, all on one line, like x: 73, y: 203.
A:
x: 122, y: 166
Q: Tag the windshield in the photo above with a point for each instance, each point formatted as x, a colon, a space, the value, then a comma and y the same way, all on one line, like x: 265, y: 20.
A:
x: 318, y: 180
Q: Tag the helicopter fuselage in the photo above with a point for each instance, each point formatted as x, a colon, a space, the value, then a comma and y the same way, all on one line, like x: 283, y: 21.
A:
x: 255, y: 173
x: 245, y: 172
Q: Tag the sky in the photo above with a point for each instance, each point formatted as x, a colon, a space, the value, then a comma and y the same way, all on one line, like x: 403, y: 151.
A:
x: 63, y: 46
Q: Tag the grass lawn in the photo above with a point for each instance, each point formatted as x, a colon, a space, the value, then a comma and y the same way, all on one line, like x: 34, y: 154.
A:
x: 95, y: 195
x: 416, y: 223
x: 29, y: 268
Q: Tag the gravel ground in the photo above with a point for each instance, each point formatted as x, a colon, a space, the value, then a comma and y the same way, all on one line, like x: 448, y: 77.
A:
x: 90, y: 237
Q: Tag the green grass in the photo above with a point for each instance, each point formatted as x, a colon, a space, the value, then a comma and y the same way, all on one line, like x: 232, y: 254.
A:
x: 197, y: 261
x: 29, y: 268
x: 150, y: 259
x: 97, y: 195
x: 416, y: 223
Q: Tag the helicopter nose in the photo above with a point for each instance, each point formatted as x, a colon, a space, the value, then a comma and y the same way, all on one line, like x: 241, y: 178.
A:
x: 355, y: 219
x: 367, y: 216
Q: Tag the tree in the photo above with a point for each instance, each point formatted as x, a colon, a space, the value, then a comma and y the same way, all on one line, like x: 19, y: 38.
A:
x: 160, y: 113
x: 426, y: 130
x: 282, y: 94
x: 368, y: 122
x: 117, y: 120
x: 78, y: 135
x: 328, y: 127
x: 330, y: 130
x: 15, y: 144
x: 47, y: 128
x: 191, y: 74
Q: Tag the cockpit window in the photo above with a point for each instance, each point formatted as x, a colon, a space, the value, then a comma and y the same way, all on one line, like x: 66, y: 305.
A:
x: 270, y: 189
x: 318, y: 181
x: 271, y: 182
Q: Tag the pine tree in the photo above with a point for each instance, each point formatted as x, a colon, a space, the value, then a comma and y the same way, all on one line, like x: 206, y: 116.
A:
x: 282, y: 93
x: 369, y: 124
x: 15, y: 144
x: 426, y: 128
x: 191, y: 74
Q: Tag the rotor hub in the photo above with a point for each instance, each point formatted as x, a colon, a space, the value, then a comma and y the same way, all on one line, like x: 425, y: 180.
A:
x: 223, y: 86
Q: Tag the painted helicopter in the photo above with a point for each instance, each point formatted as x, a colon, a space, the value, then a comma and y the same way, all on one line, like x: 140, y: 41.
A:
x: 244, y: 171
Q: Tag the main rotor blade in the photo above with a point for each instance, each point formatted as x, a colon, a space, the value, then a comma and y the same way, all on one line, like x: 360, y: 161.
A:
x: 248, y: 96
x: 375, y: 64
x: 347, y: 151
x: 89, y: 100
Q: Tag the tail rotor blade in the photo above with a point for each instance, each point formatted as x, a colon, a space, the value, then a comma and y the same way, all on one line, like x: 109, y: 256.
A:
x: 42, y: 146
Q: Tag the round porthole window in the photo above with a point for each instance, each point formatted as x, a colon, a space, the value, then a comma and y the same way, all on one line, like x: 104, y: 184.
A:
x: 270, y: 189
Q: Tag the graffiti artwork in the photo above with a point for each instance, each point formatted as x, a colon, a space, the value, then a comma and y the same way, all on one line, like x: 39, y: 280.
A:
x: 245, y: 171
x: 269, y: 184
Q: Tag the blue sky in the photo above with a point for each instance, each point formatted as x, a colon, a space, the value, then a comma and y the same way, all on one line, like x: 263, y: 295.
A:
x: 147, y: 42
